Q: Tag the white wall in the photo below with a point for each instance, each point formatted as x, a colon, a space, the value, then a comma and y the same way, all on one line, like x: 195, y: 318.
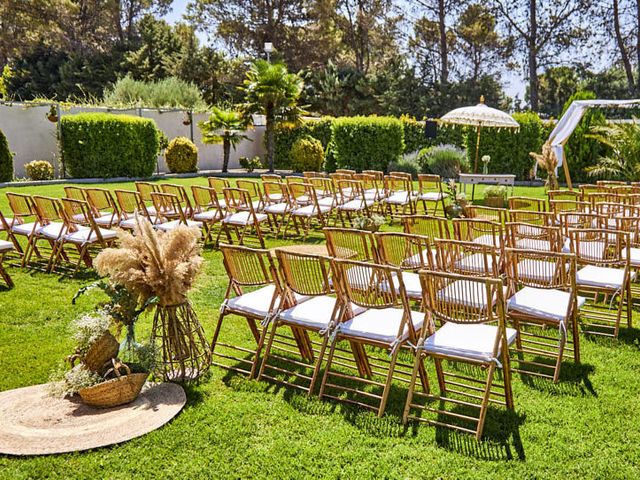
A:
x: 33, y: 137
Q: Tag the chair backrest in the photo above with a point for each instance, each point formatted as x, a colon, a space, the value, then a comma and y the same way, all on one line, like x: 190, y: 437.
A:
x: 534, y: 237
x: 564, y: 195
x: 337, y: 176
x: 427, y: 225
x: 275, y: 192
x: 467, y: 258
x: 498, y: 215
x: 368, y: 181
x: 588, y: 189
x: 349, y: 190
x: 22, y: 207
x: 600, y: 247
x: 47, y: 209
x: 130, y: 202
x: 606, y: 183
x: 302, y: 194
x: 478, y: 230
x: 404, y: 250
x: 304, y: 274
x: 429, y: 183
x: 238, y: 200
x: 397, y: 184
x: 611, y: 210
x: 323, y: 186
x: 570, y: 220
x: 527, y: 203
x: 351, y: 244
x: 294, y: 179
x: 145, y: 189
x: 550, y: 270
x: 376, y: 173
x: 463, y: 299
x: 77, y: 215
x: 532, y: 217
x: 74, y: 192
x: 168, y: 206
x: 559, y: 206
x: 310, y: 175
x: 181, y: 193
x: 248, y: 267
x: 218, y: 184
x: 205, y: 198
x: 624, y: 189
x: 630, y: 225
x: 345, y: 171
x: 270, y: 177
x: 101, y: 201
x: 599, y: 196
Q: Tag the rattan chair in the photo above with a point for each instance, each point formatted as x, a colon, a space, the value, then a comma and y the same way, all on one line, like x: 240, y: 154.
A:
x: 480, y: 231
x: 206, y: 209
x: 145, y: 189
x: 468, y: 258
x: 351, y: 244
x: 255, y: 192
x: 534, y: 237
x: 241, y: 216
x: 430, y: 191
x: 24, y: 222
x: 472, y: 331
x: 103, y: 207
x: 131, y: 205
x: 532, y: 217
x: 77, y: 193
x: 543, y: 294
x: 387, y: 323
x: 180, y: 192
x: 219, y: 184
x: 169, y: 212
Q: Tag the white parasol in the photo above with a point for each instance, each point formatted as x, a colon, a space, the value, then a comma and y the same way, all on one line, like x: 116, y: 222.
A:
x: 479, y: 116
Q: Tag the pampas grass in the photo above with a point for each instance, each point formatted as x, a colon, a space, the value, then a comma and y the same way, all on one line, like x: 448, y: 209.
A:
x: 547, y: 161
x: 150, y: 263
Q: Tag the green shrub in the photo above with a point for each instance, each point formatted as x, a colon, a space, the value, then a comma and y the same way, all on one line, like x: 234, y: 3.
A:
x: 170, y: 92
x: 181, y: 156
x: 105, y: 145
x: 444, y: 160
x: 414, y: 138
x: 250, y: 164
x: 450, y: 135
x: 407, y: 164
x: 286, y: 134
x: 6, y: 160
x: 367, y: 143
x: 307, y: 154
x: 509, y: 149
x: 39, y: 170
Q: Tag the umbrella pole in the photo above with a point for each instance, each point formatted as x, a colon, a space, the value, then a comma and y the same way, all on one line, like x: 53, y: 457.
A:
x: 475, y: 163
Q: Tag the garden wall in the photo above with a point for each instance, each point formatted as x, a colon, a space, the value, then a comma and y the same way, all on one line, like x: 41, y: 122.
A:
x: 32, y: 136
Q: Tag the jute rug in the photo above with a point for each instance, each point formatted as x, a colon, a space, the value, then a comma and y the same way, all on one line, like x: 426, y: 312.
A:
x: 33, y: 423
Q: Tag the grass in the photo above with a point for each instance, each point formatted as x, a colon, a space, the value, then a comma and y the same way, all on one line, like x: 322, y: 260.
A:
x: 584, y: 427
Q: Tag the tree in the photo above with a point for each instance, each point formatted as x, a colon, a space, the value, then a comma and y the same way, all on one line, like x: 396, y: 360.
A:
x: 622, y: 21
x: 224, y: 127
x: 158, y: 46
x: 542, y: 33
x: 556, y: 85
x: 272, y: 91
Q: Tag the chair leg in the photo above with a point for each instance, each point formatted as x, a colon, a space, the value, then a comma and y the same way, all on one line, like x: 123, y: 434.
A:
x: 562, y: 342
x: 387, y: 386
x: 4, y: 274
x: 485, y: 401
x: 267, y: 350
x: 318, y: 366
x: 325, y: 377
x: 417, y: 363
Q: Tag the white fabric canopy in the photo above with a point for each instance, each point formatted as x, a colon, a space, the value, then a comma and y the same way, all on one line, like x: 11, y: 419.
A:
x: 569, y: 121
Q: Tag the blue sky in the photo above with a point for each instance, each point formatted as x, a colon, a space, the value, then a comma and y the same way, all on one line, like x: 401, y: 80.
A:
x: 512, y: 82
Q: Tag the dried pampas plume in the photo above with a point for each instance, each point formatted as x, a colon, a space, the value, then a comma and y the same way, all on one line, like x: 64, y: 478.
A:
x: 547, y: 161
x: 150, y: 263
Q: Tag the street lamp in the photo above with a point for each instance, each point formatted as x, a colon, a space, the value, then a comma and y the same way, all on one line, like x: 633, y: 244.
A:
x: 268, y: 48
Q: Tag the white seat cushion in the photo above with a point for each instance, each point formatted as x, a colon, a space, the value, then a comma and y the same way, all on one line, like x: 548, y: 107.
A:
x: 5, y: 246
x: 534, y: 244
x: 131, y: 222
x: 549, y: 304
x: 411, y: 282
x: 634, y: 256
x: 24, y: 228
x: 165, y: 227
x: 310, y: 210
x: 274, y: 197
x: 490, y: 240
x: 106, y: 219
x: 86, y: 235
x: 9, y: 221
x: 277, y: 208
x: 355, y: 205
x: 207, y: 216
x: 604, y: 277
x: 398, y: 198
x: 466, y: 292
x: 380, y: 324
x: 257, y: 302
x: 475, y: 263
x: 326, y: 202
x: 431, y: 196
x: 316, y: 312
x: 420, y: 259
x: 243, y: 218
x: 470, y: 341
x: 52, y: 231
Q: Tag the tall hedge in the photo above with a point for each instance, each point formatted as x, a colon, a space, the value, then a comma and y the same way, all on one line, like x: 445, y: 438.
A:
x: 6, y: 160
x: 414, y: 137
x: 286, y: 134
x: 103, y: 145
x: 509, y: 149
x: 363, y: 143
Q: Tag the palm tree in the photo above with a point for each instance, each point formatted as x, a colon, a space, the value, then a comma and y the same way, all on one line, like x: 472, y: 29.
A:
x: 224, y: 127
x: 272, y: 91
x: 623, y: 143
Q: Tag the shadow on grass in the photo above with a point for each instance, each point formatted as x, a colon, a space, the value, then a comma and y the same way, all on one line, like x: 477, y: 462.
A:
x: 574, y: 378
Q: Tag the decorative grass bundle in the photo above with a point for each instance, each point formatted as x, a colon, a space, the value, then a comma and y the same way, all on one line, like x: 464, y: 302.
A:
x: 547, y: 161
x: 163, y: 265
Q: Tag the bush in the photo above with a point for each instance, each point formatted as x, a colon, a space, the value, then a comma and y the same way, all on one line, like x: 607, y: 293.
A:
x: 250, y: 164
x: 286, y: 135
x: 444, y: 160
x: 170, y: 92
x: 6, y: 160
x: 414, y: 137
x: 105, y: 145
x: 407, y: 164
x: 367, y: 143
x: 307, y: 154
x: 509, y: 149
x: 39, y: 170
x: 181, y: 155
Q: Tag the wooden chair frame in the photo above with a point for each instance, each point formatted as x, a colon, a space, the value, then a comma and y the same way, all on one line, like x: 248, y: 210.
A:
x: 145, y: 189
x: 399, y: 195
x: 206, y: 209
x: 351, y: 244
x: 130, y: 204
x: 352, y: 200
x: 303, y: 214
x: 241, y: 216
x: 529, y: 236
x: 468, y: 258
x: 430, y: 190
x: 24, y: 223
x: 280, y: 209
x: 527, y: 203
x: 52, y: 228
x: 180, y: 192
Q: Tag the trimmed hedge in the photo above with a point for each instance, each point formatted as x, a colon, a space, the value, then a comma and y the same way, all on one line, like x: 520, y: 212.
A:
x: 509, y: 150
x: 307, y: 154
x: 6, y: 160
x: 414, y: 138
x: 104, y: 145
x: 367, y: 143
x: 181, y: 156
x: 286, y: 134
x: 39, y: 170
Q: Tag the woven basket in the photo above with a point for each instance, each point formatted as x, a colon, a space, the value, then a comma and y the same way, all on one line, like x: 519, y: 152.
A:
x: 100, y: 352
x: 117, y: 391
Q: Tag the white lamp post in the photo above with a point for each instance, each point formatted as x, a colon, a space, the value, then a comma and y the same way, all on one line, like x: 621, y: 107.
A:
x: 268, y: 48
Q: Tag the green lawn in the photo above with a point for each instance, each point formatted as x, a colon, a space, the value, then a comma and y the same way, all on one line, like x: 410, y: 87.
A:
x: 584, y: 427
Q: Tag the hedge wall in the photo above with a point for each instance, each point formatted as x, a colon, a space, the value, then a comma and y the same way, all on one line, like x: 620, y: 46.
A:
x: 363, y: 143
x: 286, y: 134
x: 414, y: 139
x: 103, y: 145
x: 6, y: 160
x: 509, y: 150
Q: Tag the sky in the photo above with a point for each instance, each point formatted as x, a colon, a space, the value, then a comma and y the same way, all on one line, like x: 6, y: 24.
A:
x: 512, y: 82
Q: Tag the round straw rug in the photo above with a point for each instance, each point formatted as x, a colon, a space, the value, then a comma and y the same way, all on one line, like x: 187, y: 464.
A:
x: 33, y: 423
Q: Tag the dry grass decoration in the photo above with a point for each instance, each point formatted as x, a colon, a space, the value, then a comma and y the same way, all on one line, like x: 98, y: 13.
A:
x: 549, y: 162
x: 163, y: 265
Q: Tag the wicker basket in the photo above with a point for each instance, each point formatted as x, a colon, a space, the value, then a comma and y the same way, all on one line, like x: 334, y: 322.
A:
x: 117, y: 391
x: 100, y: 352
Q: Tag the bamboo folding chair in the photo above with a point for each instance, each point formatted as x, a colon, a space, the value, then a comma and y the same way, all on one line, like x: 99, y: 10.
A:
x: 579, y: 220
x: 480, y: 212
x: 430, y: 191
x: 130, y: 205
x: 24, y: 223
x: 103, y: 207
x: 179, y: 192
x: 77, y: 193
x: 6, y: 247
x: 544, y: 238
x: 241, y: 216
x: 145, y: 189
x: 604, y: 267
x: 564, y: 195
x: 303, y: 215
x: 372, y: 186
x: 279, y: 209
x: 543, y: 294
x: 82, y: 231
x: 345, y: 171
x: 467, y: 258
x: 5, y: 226
x: 427, y: 225
x: 399, y: 196
x: 614, y: 210
x: 409, y: 253
x: 472, y: 331
x: 219, y: 184
x: 254, y: 293
x: 169, y: 212
x: 325, y: 192
x: 352, y: 201
x: 309, y: 305
x: 206, y: 209
x: 485, y: 232
x: 387, y: 323
x: 350, y: 244
x: 557, y: 207
x: 255, y: 192
x: 527, y: 203
x: 532, y: 217
x: 51, y: 229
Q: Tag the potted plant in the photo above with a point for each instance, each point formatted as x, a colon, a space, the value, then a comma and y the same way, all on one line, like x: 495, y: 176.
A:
x: 370, y: 223
x: 52, y: 114
x: 250, y: 164
x: 495, y: 196
x: 485, y: 164
x: 456, y: 208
